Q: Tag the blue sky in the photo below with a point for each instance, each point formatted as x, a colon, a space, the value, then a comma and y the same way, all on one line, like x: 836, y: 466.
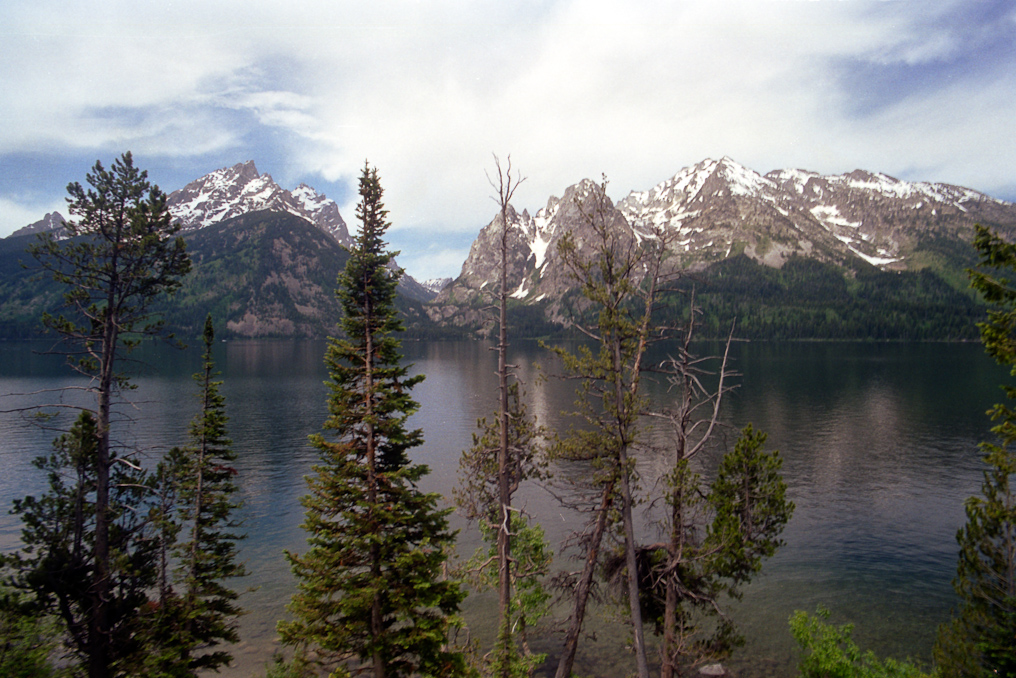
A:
x: 427, y: 91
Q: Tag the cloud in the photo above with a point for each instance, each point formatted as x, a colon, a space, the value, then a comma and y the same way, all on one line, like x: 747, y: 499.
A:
x: 15, y: 215
x: 427, y: 91
x: 433, y: 263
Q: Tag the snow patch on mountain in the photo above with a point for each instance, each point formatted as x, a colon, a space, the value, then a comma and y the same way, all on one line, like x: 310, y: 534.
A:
x: 829, y: 216
x: 743, y: 181
x: 435, y: 285
x: 240, y: 189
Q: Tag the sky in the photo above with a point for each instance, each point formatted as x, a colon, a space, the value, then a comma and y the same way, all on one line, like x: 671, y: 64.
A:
x: 428, y: 91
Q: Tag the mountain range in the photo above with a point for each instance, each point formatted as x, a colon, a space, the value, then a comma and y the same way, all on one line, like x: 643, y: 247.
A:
x: 718, y: 212
x: 266, y: 257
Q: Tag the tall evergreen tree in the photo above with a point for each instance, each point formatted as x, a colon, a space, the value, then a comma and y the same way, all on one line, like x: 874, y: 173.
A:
x: 981, y: 640
x: 122, y: 253
x: 57, y: 563
x: 501, y: 458
x: 371, y: 594
x: 198, y: 612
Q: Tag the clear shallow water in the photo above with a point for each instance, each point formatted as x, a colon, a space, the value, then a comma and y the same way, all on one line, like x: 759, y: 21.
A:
x: 879, y: 444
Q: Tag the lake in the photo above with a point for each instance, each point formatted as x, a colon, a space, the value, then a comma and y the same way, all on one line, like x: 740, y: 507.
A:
x: 879, y: 444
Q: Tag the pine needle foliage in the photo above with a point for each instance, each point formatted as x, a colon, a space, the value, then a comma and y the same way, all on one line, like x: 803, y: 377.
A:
x: 619, y: 279
x: 981, y: 639
x: 478, y: 497
x: 371, y: 596
x: 57, y: 563
x: 122, y: 253
x: 199, y: 613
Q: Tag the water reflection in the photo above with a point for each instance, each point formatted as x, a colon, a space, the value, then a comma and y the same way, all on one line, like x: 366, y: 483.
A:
x: 879, y: 443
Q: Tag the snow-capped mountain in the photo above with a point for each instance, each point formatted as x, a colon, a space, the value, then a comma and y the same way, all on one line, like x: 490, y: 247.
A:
x: 50, y: 222
x: 718, y: 206
x: 718, y: 209
x: 535, y: 271
x: 240, y: 189
x: 435, y: 285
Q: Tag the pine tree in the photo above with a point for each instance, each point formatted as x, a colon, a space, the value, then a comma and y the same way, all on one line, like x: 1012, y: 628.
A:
x: 620, y: 281
x: 371, y: 594
x: 121, y: 255
x: 57, y: 563
x: 505, y: 644
x: 478, y: 495
x: 198, y: 612
x: 718, y: 534
x: 491, y: 471
x: 981, y: 640
x: 530, y: 601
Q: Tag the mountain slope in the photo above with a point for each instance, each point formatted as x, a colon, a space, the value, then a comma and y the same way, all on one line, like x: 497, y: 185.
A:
x: 24, y: 292
x: 260, y: 274
x: 718, y: 210
x: 265, y: 274
x: 232, y: 191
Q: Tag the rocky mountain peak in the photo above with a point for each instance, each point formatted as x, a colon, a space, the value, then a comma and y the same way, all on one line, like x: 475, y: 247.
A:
x: 240, y: 189
x: 51, y: 222
x: 245, y: 171
x: 718, y: 209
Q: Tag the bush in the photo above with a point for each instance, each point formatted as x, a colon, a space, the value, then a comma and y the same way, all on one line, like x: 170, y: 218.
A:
x: 831, y: 653
x: 27, y: 641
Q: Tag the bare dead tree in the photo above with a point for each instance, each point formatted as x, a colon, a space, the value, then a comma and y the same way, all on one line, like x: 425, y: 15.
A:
x: 716, y: 534
x: 505, y: 454
x: 692, y: 421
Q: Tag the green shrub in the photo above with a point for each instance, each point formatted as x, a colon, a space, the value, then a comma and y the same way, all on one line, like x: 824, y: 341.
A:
x: 27, y: 641
x: 831, y: 653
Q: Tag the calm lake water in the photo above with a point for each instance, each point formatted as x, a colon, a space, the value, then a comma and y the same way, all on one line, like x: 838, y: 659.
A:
x: 879, y: 444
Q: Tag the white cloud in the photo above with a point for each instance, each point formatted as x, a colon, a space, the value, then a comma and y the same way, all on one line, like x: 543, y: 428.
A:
x: 426, y: 91
x: 15, y: 215
x: 439, y: 263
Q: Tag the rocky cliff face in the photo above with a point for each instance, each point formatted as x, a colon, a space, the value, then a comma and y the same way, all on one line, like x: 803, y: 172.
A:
x: 240, y: 189
x: 51, y: 222
x: 718, y: 209
x: 535, y: 269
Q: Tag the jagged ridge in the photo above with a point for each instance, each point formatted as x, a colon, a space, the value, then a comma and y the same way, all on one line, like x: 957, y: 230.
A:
x: 241, y: 189
x: 719, y: 209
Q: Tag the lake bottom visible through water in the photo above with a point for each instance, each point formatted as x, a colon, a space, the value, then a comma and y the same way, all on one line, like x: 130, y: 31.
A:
x: 879, y: 443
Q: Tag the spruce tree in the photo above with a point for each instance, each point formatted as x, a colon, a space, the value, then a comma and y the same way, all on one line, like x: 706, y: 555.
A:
x: 371, y: 596
x: 198, y: 612
x: 981, y: 640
